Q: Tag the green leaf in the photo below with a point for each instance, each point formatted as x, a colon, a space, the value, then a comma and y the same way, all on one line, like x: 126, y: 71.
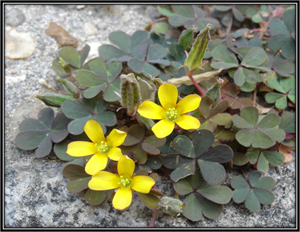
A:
x: 221, y: 119
x: 108, y: 52
x: 60, y: 150
x: 160, y: 28
x: 74, y: 172
x: 270, y: 120
x: 240, y: 159
x: 184, y: 146
x: 250, y: 114
x: 239, y: 76
x: 155, y: 52
x: 210, y: 209
x: 265, y: 183
x: 217, y: 194
x: 186, y: 38
x: 134, y: 135
x: 240, y: 122
x: 205, y: 106
x: 93, y: 197
x: 202, y: 141
x: 238, y: 15
x: 42, y: 132
x: 287, y: 123
x: 84, y: 53
x: 183, y: 170
x: 273, y: 97
x: 183, y: 187
x: 223, y: 57
x: 154, y: 162
x: 121, y: 39
x: 149, y: 70
x: 165, y: 11
x: 264, y: 196
x: 221, y: 153
x: 274, y: 158
x: 253, y: 155
x: 212, y: 172
x: 83, y: 110
x: 76, y: 186
x: 242, y: 189
x: 89, y: 79
x: 150, y: 200
x: 192, y: 209
x: 289, y: 19
x: 252, y: 202
x: 262, y: 163
x: 71, y: 56
x: 277, y: 26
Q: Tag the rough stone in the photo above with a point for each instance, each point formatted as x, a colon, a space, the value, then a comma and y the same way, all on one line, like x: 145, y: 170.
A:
x: 14, y: 17
x: 35, y: 190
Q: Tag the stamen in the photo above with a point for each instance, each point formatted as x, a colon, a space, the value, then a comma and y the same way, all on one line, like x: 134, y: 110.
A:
x: 124, y: 182
x: 171, y: 114
x: 103, y: 147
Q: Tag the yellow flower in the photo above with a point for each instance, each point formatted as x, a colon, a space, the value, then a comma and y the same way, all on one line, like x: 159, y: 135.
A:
x: 170, y: 112
x: 101, y: 148
x: 125, y: 182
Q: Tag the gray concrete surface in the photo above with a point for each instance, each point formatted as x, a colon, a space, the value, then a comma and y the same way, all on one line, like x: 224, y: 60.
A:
x: 35, y: 190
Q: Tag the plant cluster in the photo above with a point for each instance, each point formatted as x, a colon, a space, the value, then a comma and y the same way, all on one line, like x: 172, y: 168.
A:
x: 123, y: 119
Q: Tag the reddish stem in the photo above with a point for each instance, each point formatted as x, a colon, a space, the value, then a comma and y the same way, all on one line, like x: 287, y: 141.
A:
x: 190, y: 75
x: 160, y: 19
x: 262, y: 32
x: 153, y: 218
x: 165, y: 172
x: 254, y: 97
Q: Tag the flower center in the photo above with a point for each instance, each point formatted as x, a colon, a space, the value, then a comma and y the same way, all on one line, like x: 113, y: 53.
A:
x: 171, y: 114
x: 124, y: 182
x: 103, y: 147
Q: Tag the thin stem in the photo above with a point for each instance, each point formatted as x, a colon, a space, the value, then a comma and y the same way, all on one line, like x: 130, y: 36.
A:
x: 190, y: 75
x: 229, y: 26
x: 160, y: 19
x: 165, y: 172
x: 262, y: 32
x: 254, y: 96
x: 153, y: 218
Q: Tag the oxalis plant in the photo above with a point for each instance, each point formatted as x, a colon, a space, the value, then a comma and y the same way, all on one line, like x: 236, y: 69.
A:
x: 183, y: 107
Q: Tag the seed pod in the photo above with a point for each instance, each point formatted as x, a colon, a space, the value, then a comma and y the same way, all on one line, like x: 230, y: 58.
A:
x: 55, y: 100
x: 69, y: 87
x: 130, y: 93
x: 194, y: 60
x: 171, y: 205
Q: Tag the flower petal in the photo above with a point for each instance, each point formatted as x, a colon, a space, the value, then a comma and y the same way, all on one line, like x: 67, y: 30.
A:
x: 116, y: 137
x: 104, y: 181
x: 189, y: 103
x: 94, y: 131
x: 122, y: 198
x: 96, y: 164
x: 142, y: 184
x: 79, y: 148
x: 149, y: 109
x: 188, y: 122
x: 167, y: 95
x: 115, y: 153
x: 163, y: 128
x: 126, y: 166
